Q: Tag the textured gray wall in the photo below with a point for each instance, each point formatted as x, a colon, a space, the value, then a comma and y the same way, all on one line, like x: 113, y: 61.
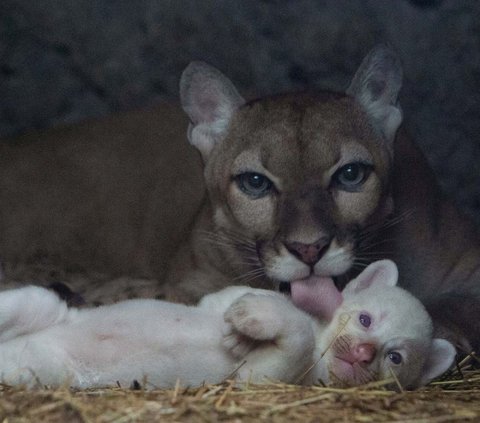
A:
x: 66, y: 60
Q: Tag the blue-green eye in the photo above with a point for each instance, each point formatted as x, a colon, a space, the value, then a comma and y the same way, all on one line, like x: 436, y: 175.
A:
x: 254, y: 184
x: 351, y: 176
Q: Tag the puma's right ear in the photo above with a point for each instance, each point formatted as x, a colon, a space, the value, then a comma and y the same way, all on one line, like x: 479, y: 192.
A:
x: 375, y: 86
x: 380, y: 272
x: 209, y: 99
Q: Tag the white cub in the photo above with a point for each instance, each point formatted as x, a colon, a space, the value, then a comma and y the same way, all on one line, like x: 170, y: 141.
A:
x: 378, y: 329
x: 238, y: 332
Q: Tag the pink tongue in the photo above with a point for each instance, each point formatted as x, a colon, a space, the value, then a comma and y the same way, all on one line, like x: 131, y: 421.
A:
x: 316, y: 295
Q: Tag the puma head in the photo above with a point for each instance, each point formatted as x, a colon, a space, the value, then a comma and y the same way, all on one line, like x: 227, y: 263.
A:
x: 296, y: 180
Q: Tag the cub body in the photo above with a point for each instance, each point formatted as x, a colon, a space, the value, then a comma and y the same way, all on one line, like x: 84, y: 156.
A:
x: 240, y: 332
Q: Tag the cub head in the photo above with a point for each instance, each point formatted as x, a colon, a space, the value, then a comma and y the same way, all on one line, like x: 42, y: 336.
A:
x: 296, y: 180
x: 381, y: 331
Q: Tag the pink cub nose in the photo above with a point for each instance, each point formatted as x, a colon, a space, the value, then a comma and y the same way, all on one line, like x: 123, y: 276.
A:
x: 364, y: 353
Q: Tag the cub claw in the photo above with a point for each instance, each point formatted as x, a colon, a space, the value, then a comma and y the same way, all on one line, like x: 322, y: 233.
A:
x: 252, y: 319
x: 238, y: 344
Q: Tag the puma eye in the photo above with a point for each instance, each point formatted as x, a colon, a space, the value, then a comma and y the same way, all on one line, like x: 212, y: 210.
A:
x: 365, y: 320
x: 395, y: 357
x: 351, y: 176
x: 254, y: 184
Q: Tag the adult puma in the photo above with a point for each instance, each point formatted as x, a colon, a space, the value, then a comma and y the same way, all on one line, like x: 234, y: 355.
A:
x: 320, y: 184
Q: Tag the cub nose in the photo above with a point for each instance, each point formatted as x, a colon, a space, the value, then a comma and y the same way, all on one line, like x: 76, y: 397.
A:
x: 364, y: 353
x: 308, y: 253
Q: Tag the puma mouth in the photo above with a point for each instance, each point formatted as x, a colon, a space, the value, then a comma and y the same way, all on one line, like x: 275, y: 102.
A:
x: 344, y: 373
x: 285, y: 288
x: 285, y: 267
x: 341, y: 372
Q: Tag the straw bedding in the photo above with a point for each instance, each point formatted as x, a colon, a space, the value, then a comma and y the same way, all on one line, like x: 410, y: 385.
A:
x: 455, y: 398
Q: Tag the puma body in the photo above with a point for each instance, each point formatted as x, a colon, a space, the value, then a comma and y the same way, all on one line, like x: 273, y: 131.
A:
x: 112, y: 196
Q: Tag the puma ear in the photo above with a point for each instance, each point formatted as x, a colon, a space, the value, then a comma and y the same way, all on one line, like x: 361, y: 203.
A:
x: 380, y: 272
x: 209, y: 99
x: 376, y: 85
x: 440, y: 359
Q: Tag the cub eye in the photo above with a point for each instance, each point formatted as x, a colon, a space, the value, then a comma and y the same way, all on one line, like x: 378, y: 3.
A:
x: 254, y: 184
x: 395, y: 357
x: 352, y: 175
x: 365, y: 320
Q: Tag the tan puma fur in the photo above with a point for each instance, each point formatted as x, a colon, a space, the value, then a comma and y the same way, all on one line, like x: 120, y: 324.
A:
x: 114, y: 195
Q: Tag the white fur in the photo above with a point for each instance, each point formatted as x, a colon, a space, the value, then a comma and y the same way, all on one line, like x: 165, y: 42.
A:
x: 153, y: 340
x: 250, y: 332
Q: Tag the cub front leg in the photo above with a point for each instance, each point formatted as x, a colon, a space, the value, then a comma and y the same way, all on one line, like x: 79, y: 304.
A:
x: 271, y: 337
x: 220, y: 301
x: 29, y: 309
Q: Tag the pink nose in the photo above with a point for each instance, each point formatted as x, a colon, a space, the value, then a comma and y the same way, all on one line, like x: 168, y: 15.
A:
x: 309, y: 253
x: 364, y: 353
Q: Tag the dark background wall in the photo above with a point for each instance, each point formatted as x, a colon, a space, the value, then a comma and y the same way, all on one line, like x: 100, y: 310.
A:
x: 62, y: 61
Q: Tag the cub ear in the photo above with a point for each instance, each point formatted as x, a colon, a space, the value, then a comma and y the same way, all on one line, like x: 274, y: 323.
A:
x: 375, y: 86
x: 440, y: 359
x: 380, y: 272
x: 209, y: 99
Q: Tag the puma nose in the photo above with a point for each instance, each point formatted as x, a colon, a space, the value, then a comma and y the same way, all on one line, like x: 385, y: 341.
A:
x: 364, y: 353
x: 308, y: 253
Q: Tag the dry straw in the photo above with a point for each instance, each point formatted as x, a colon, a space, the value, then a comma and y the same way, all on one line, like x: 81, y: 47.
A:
x: 454, y: 398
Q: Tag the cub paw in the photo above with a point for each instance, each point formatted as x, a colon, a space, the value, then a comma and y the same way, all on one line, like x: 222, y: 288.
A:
x: 239, y: 345
x: 255, y: 316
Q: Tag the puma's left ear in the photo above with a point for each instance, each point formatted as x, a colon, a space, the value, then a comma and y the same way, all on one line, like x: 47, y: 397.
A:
x: 382, y: 272
x: 440, y: 359
x: 210, y: 99
x: 376, y: 86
